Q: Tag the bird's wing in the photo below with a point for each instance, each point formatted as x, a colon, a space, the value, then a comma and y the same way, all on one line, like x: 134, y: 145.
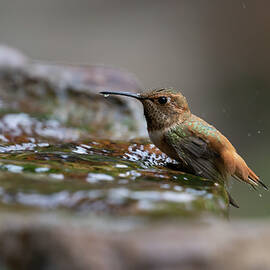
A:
x: 194, y: 152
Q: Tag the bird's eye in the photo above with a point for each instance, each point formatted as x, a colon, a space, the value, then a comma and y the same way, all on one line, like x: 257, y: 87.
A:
x: 162, y: 100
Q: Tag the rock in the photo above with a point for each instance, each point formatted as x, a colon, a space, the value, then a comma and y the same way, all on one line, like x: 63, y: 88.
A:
x: 104, y: 177
x: 52, y: 156
x: 11, y: 59
x: 214, y: 245
x: 70, y: 95
x: 77, y: 193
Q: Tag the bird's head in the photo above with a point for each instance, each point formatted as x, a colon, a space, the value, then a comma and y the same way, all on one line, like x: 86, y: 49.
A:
x: 162, y: 107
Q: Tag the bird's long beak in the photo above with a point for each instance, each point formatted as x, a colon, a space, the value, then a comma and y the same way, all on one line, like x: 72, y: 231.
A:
x: 127, y: 94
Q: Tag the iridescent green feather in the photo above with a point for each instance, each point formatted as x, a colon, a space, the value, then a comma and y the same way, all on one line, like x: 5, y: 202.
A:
x: 206, y: 130
x: 193, y: 150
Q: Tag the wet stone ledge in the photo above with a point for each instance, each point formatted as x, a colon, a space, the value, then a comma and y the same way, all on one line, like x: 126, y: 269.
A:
x: 52, y: 156
x: 73, y: 159
x: 68, y: 94
x: 116, y: 178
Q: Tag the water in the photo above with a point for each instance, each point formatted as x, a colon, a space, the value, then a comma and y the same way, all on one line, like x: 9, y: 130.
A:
x: 78, y: 179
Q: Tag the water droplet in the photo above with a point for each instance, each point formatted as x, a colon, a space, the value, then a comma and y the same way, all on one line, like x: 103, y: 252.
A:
x: 166, y: 186
x: 13, y: 168
x: 249, y: 134
x: 79, y: 150
x: 57, y: 176
x: 96, y: 177
x: 121, y: 166
x: 259, y: 132
x: 260, y: 195
x: 41, y: 169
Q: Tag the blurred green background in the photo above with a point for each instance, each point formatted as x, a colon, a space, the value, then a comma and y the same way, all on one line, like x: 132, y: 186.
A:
x: 217, y: 52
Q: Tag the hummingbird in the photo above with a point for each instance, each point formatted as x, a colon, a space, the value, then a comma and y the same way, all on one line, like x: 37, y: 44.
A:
x: 197, y: 146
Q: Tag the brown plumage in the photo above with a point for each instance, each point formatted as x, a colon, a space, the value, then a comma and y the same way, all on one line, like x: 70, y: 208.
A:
x: 195, y: 144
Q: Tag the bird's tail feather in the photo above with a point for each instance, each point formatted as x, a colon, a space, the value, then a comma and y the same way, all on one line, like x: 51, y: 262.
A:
x: 244, y: 173
x: 232, y: 201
